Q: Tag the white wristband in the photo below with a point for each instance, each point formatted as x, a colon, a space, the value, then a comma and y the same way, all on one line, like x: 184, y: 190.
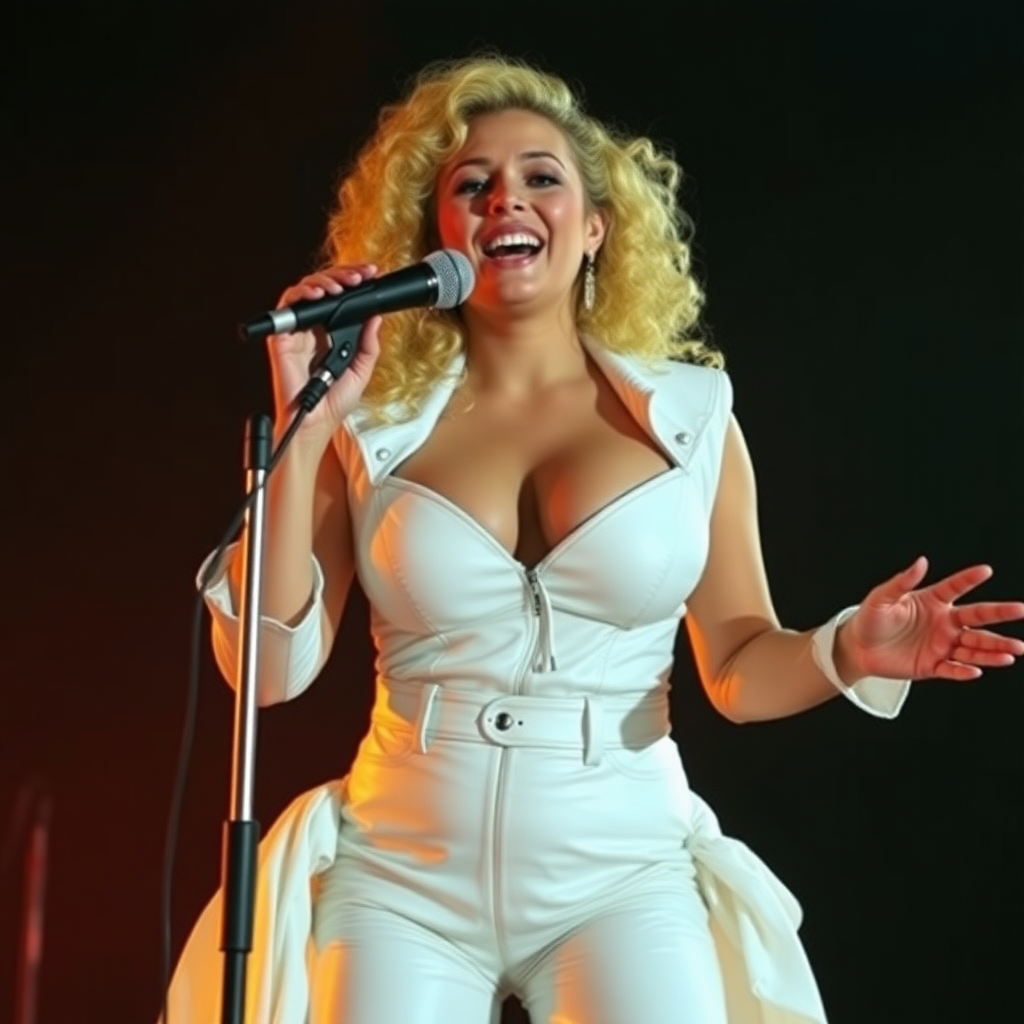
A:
x: 874, y: 694
x: 823, y: 643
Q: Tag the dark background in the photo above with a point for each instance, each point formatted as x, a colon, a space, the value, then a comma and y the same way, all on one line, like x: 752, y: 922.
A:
x: 854, y: 171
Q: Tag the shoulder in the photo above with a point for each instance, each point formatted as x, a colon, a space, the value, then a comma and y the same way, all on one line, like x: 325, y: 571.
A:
x: 692, y: 404
x: 661, y: 374
x: 378, y: 439
x: 682, y: 385
x: 692, y: 376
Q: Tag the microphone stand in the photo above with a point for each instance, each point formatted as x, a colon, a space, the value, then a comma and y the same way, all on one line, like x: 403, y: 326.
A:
x: 242, y: 832
x: 240, y: 844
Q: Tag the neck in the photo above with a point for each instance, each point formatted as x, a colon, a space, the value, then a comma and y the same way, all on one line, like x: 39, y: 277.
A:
x: 513, y: 357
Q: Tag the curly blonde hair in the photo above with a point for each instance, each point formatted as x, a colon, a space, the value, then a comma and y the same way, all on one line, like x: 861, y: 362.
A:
x: 648, y: 303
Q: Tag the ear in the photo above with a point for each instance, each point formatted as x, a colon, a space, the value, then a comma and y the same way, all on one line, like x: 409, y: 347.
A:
x: 595, y: 227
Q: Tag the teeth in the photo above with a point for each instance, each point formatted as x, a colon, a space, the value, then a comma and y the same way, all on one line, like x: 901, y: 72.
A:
x: 518, y: 238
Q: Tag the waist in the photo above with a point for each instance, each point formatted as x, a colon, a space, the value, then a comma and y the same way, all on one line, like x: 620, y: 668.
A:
x: 588, y: 723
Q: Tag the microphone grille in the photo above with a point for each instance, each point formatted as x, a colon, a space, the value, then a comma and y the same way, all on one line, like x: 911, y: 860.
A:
x: 455, y: 278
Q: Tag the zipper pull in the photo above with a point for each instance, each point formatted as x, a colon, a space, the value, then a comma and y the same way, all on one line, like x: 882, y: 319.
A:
x: 545, y: 660
x: 536, y: 589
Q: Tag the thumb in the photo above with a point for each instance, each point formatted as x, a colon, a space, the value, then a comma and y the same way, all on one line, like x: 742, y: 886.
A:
x: 369, y: 349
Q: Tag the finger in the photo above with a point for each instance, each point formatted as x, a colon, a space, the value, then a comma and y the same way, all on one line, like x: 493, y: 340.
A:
x: 362, y: 269
x: 987, y: 613
x: 314, y: 286
x: 957, y: 671
x: 371, y: 336
x: 985, y: 659
x: 369, y: 346
x: 983, y: 640
x: 334, y: 279
x: 330, y: 281
x: 903, y: 582
x: 949, y: 589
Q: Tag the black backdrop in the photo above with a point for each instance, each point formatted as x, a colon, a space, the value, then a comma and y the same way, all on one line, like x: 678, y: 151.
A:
x: 854, y: 171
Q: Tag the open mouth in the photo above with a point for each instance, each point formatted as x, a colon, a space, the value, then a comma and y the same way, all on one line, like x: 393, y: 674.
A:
x: 514, y: 247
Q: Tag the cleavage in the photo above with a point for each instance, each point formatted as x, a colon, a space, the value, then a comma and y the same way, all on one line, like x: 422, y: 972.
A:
x: 531, y: 484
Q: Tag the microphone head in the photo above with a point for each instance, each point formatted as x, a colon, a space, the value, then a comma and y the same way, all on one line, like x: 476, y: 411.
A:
x: 455, y: 277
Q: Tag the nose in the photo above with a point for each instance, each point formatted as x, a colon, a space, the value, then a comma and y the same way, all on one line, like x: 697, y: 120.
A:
x: 504, y: 198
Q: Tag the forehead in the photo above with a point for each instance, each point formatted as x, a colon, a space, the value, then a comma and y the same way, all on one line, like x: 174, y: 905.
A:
x: 510, y: 134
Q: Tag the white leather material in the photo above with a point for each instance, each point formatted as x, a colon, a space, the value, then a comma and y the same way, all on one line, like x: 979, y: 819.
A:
x: 650, y: 959
x: 504, y: 837
x: 519, y: 720
x: 288, y: 656
x: 599, y: 613
x: 753, y: 919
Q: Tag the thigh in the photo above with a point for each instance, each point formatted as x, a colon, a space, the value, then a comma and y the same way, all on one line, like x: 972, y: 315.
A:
x: 386, y: 968
x: 652, y: 960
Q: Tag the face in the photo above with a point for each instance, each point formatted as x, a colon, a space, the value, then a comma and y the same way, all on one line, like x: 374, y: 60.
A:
x: 513, y: 202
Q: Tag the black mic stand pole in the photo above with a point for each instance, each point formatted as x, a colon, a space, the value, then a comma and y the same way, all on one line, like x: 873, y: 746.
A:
x: 242, y: 832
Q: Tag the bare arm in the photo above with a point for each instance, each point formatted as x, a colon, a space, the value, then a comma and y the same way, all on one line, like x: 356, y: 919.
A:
x: 751, y: 668
x: 307, y: 517
x: 754, y: 670
x: 307, y: 513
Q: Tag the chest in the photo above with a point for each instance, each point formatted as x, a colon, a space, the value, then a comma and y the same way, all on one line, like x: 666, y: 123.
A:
x: 530, y: 475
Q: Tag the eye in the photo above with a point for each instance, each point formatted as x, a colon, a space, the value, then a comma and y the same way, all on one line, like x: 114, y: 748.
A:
x: 470, y: 187
x: 543, y: 180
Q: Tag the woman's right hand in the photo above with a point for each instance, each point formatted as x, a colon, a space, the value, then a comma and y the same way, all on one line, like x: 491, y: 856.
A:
x: 291, y: 356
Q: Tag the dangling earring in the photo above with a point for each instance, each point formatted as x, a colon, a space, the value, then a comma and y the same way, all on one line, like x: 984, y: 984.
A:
x: 589, y: 275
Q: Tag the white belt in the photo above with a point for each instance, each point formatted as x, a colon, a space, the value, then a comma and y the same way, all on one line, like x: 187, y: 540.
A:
x: 589, y: 724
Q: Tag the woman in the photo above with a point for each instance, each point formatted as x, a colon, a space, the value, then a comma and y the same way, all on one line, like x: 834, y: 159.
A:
x: 533, y: 490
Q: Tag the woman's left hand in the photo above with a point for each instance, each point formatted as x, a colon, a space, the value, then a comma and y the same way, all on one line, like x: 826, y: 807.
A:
x: 900, y: 632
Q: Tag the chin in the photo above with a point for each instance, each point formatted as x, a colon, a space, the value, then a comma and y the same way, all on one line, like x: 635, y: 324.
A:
x: 511, y: 300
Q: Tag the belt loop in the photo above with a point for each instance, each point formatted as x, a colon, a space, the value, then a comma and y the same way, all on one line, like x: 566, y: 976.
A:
x: 593, y: 734
x: 427, y: 696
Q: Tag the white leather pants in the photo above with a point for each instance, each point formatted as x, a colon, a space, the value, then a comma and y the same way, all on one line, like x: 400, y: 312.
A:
x: 524, y: 845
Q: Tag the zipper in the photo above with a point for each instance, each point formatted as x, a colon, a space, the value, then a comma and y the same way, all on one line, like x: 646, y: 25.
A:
x: 499, y: 826
x: 544, y: 657
x: 531, y: 578
x: 534, y: 639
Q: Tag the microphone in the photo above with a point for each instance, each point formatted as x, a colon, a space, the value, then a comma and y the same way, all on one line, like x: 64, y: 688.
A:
x: 442, y: 280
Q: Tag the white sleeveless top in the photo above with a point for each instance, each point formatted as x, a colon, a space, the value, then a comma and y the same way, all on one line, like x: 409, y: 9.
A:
x: 599, y: 614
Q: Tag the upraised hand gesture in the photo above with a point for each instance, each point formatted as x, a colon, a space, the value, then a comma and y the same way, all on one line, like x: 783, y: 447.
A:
x: 904, y: 631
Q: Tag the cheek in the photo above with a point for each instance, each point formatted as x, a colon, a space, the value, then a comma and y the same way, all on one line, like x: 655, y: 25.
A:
x: 451, y: 224
x: 566, y: 216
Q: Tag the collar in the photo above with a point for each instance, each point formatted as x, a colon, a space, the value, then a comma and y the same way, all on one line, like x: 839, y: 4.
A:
x: 672, y: 401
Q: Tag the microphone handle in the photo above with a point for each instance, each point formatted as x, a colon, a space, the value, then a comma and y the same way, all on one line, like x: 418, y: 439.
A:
x: 411, y: 286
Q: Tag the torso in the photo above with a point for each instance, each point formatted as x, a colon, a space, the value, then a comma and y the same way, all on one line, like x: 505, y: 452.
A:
x: 532, y: 473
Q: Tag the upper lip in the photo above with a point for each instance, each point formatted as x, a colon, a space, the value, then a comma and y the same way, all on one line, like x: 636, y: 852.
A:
x: 508, y: 228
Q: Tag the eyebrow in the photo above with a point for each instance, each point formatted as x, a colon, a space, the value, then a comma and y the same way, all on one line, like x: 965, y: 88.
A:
x: 482, y: 161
